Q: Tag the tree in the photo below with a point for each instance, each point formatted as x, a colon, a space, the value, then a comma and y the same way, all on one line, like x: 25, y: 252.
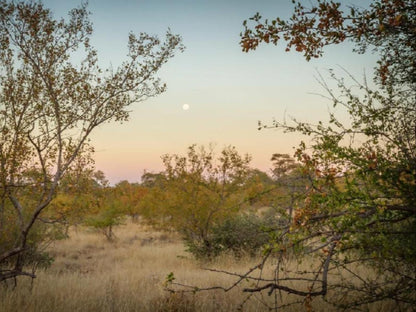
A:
x: 281, y: 191
x: 290, y: 184
x: 257, y: 187
x: 201, y: 189
x: 130, y: 197
x: 360, y: 206
x: 109, y: 213
x: 50, y: 106
x: 358, y: 218
x: 78, y: 192
x: 388, y: 26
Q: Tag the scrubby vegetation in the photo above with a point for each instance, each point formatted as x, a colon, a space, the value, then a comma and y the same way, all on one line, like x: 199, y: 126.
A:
x: 331, y: 228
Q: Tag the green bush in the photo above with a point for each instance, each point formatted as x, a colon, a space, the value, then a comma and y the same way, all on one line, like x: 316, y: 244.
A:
x: 106, y: 220
x: 238, y: 235
x: 34, y: 255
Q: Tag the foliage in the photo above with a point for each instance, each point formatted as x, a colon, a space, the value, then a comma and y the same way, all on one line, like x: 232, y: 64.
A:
x: 258, y: 205
x: 152, y: 205
x: 109, y: 216
x: 258, y: 187
x: 387, y: 25
x: 361, y: 203
x: 112, y: 204
x: 200, y: 190
x: 50, y: 106
x: 130, y: 197
x: 291, y: 184
x: 78, y: 192
x: 359, y: 210
x: 243, y: 234
x: 85, y: 197
x: 39, y: 238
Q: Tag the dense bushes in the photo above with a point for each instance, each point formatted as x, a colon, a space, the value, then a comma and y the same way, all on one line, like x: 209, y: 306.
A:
x: 238, y: 235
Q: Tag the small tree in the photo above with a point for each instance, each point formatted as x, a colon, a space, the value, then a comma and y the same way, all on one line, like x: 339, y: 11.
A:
x: 201, y: 189
x: 77, y: 192
x: 49, y: 107
x: 130, y: 196
x: 291, y: 183
x: 110, y: 214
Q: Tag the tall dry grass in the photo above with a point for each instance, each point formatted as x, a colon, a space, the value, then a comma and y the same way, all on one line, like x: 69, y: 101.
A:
x: 91, y: 274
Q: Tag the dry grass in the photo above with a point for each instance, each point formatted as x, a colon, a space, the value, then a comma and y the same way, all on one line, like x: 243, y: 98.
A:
x: 92, y: 274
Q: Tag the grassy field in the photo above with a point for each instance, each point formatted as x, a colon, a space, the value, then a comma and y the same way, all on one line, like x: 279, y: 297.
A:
x: 91, y: 274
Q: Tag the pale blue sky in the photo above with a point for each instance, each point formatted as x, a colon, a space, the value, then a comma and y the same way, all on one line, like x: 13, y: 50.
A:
x: 227, y: 90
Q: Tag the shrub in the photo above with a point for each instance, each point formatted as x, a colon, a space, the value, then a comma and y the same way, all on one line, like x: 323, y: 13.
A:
x: 106, y: 220
x: 239, y: 235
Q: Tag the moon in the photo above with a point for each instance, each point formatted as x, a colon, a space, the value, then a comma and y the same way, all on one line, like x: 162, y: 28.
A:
x: 185, y: 107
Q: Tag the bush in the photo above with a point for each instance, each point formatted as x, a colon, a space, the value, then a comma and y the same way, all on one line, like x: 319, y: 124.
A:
x: 34, y: 256
x: 239, y: 235
x: 106, y: 220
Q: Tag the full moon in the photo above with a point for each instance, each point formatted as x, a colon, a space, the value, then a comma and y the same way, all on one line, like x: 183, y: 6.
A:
x: 185, y: 106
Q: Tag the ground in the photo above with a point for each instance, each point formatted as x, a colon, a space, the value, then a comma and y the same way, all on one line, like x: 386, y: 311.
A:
x: 92, y: 274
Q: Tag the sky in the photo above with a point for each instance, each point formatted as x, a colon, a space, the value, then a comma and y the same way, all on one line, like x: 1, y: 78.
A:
x: 227, y: 91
